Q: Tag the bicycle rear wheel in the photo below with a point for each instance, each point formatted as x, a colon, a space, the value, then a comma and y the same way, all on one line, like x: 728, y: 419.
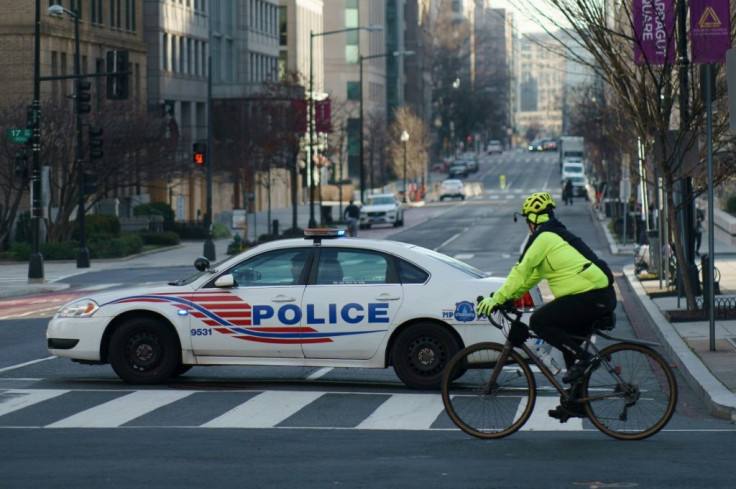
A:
x: 634, y: 392
x: 488, y: 411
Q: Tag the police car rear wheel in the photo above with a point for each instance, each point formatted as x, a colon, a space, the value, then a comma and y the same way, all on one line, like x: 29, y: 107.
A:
x: 421, y: 353
x: 144, y: 351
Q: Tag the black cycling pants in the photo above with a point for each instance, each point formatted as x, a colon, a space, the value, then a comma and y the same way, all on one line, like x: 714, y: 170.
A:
x: 555, y: 321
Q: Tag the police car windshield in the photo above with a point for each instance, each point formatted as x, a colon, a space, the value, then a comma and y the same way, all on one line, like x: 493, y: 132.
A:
x: 448, y: 260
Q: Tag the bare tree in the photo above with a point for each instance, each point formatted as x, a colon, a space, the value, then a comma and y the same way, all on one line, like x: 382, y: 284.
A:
x: 650, y: 98
x: 417, y: 147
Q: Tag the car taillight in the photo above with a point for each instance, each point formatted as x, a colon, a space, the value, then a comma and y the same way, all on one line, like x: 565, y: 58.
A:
x: 524, y: 301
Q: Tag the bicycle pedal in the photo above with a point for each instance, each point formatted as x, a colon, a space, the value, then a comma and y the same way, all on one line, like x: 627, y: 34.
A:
x: 559, y: 413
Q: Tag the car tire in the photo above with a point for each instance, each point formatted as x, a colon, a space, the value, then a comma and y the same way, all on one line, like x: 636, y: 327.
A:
x: 144, y: 351
x: 421, y: 353
x: 180, y: 370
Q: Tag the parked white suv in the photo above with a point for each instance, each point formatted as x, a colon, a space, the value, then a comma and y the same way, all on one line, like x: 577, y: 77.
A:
x: 381, y: 209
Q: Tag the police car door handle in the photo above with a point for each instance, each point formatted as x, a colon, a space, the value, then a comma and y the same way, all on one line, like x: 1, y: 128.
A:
x: 386, y: 297
x: 283, y: 298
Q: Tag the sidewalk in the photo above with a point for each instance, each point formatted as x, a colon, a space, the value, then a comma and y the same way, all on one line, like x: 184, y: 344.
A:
x: 711, y: 374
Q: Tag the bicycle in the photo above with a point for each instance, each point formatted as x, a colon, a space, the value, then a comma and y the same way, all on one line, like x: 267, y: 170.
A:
x: 489, y: 390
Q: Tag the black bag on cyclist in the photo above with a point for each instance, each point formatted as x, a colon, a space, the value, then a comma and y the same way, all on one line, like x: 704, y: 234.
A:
x: 518, y: 333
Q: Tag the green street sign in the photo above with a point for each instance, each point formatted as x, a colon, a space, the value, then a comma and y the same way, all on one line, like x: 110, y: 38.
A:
x: 19, y: 135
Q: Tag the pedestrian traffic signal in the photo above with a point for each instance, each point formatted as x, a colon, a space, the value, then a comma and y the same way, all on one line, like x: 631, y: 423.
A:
x: 21, y: 163
x: 118, y: 75
x: 94, y: 134
x: 83, y: 97
x: 199, y: 150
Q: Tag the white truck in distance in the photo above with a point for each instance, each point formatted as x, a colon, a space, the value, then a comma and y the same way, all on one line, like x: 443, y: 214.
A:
x: 571, y: 147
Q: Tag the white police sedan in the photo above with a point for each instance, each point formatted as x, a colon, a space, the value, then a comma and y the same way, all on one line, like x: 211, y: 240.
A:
x: 321, y: 301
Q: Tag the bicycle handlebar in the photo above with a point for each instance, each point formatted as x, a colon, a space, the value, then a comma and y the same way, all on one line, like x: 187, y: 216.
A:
x: 506, y: 309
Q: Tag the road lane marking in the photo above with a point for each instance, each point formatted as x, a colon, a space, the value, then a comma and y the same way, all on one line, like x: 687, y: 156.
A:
x: 16, y: 399
x: 320, y: 373
x: 264, y: 410
x: 121, y: 410
x: 25, y: 364
x: 406, y: 412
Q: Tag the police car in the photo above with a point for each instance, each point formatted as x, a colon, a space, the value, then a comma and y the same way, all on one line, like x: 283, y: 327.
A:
x: 321, y: 301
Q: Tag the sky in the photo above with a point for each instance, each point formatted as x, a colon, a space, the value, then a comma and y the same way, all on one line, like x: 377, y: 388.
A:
x: 522, y: 19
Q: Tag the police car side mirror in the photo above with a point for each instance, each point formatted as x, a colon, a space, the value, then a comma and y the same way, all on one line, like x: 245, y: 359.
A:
x: 226, y: 280
x: 202, y: 264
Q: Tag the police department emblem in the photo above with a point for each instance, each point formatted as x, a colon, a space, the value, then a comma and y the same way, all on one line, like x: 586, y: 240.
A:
x: 464, y: 311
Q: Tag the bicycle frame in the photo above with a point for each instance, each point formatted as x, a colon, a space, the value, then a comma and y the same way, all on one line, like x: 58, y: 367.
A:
x: 588, y: 346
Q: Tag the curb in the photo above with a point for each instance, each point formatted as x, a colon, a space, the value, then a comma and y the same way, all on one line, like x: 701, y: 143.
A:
x: 720, y: 401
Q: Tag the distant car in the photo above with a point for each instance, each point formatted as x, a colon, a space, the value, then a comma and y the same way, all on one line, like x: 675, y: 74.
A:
x: 471, y: 161
x: 494, y: 147
x: 550, y: 145
x: 452, y: 188
x: 317, y: 301
x: 536, y: 145
x: 381, y: 209
x: 459, y: 168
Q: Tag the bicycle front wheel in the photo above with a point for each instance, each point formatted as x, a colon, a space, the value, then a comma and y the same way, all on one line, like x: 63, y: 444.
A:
x: 483, y: 407
x: 633, y: 394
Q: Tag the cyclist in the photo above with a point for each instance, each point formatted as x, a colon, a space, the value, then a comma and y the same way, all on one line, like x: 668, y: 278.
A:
x: 352, y: 216
x: 581, y: 283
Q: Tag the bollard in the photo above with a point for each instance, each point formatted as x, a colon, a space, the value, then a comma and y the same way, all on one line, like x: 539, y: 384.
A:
x: 275, y: 227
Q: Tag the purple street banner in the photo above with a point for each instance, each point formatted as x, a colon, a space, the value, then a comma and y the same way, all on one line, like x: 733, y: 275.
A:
x: 710, y: 30
x: 654, y: 32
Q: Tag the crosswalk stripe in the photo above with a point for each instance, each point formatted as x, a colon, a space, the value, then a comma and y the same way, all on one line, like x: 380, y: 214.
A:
x: 264, y: 410
x: 121, y: 410
x: 14, y: 400
x: 406, y: 412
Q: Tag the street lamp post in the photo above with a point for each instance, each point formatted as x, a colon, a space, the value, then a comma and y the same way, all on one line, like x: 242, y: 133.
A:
x: 404, y: 139
x: 35, y: 262
x: 361, y: 58
x: 310, y: 110
x: 82, y: 251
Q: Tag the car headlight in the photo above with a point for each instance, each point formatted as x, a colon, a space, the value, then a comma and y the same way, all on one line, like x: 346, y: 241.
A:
x: 80, y: 309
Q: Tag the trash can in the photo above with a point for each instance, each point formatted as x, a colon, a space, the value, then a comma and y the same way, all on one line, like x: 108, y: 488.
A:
x: 327, y: 214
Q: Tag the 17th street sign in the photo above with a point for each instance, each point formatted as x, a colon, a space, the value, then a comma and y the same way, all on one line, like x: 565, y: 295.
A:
x: 19, y: 135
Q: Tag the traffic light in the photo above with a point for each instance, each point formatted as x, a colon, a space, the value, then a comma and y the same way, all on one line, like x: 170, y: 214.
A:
x: 199, y: 150
x: 21, y: 163
x: 118, y: 71
x: 94, y: 134
x: 83, y: 97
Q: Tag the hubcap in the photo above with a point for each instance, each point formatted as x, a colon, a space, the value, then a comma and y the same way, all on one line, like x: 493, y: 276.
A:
x: 144, y: 352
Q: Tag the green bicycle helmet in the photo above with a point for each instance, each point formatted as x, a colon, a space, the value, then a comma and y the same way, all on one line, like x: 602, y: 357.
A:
x: 537, y: 208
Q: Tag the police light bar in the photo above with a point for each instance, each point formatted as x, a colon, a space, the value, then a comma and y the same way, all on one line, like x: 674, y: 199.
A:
x: 323, y: 233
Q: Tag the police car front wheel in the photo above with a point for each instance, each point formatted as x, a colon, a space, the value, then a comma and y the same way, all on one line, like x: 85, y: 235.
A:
x: 144, y: 351
x: 421, y: 353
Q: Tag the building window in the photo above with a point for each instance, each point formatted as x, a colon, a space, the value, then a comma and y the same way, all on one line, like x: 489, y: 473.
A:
x: 282, y: 27
x: 352, y: 38
x: 164, y: 51
x: 353, y: 90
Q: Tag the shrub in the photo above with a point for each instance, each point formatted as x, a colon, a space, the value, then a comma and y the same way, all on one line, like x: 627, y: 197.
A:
x: 168, y: 238
x: 102, y: 225
x: 66, y: 250
x: 20, y: 251
x: 731, y: 205
x: 220, y: 230
x: 190, y: 231
x: 127, y: 244
x: 293, y: 233
x: 157, y: 209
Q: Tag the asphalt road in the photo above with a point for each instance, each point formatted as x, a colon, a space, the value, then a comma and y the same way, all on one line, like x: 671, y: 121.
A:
x: 64, y: 424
